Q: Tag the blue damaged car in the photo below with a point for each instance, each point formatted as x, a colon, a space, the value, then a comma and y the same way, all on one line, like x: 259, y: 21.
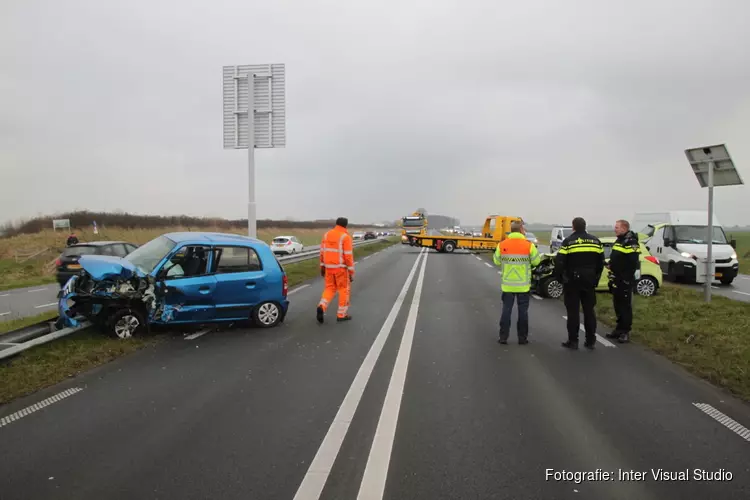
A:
x: 178, y: 278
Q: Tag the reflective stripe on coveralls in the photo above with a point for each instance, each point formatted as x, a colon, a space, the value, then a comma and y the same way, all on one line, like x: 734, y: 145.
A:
x: 516, y: 256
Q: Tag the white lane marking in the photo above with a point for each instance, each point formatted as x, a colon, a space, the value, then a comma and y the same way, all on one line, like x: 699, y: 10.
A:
x: 46, y: 305
x: 714, y: 287
x: 743, y: 293
x: 376, y: 470
x: 724, y: 420
x: 3, y: 314
x: 478, y: 257
x: 295, y: 290
x: 320, y: 468
x: 36, y: 290
x: 38, y: 406
x: 198, y: 334
x: 8, y: 343
x: 5, y: 295
x: 367, y: 257
x: 599, y: 338
x: 537, y: 297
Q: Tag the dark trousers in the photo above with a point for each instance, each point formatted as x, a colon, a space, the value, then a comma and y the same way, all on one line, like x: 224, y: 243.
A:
x: 622, y: 301
x: 522, y: 326
x: 576, y: 297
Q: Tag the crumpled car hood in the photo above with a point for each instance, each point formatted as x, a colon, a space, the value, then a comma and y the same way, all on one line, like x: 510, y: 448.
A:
x: 102, y: 267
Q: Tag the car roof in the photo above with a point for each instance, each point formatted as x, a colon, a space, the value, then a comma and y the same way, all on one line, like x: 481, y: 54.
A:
x: 210, y: 238
x: 97, y: 243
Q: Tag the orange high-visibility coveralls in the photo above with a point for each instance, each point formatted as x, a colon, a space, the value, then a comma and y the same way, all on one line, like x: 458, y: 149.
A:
x: 337, y: 258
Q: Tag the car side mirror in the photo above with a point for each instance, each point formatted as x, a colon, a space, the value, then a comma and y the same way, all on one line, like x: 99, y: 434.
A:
x: 733, y: 243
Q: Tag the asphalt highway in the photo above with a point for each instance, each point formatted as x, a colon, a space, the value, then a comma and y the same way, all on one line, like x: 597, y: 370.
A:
x: 412, y: 399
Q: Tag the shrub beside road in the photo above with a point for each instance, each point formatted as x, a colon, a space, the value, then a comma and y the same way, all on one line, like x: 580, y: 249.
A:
x: 710, y: 340
x: 51, y: 363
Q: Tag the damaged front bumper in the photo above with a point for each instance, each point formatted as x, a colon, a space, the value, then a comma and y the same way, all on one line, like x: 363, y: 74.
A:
x: 83, y: 296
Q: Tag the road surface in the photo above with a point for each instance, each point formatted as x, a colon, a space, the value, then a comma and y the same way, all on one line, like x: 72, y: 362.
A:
x: 414, y: 398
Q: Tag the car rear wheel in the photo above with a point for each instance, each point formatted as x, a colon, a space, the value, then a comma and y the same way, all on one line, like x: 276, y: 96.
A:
x: 267, y: 315
x: 125, y: 324
x: 646, y: 286
x: 551, y: 287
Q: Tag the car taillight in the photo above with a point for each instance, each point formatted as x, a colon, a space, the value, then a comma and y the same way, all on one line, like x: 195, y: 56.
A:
x: 58, y: 263
x: 285, y: 285
x: 653, y: 259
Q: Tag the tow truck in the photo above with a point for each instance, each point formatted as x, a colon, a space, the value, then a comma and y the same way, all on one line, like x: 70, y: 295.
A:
x: 495, y: 229
x: 414, y: 225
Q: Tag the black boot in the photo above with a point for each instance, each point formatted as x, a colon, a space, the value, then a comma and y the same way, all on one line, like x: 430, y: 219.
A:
x: 590, y: 344
x: 613, y: 334
x: 320, y: 314
x: 624, y: 338
x: 345, y: 318
x: 523, y: 341
x: 570, y: 344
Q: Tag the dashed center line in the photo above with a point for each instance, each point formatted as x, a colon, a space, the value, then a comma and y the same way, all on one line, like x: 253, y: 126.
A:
x: 488, y: 264
x: 599, y: 338
x: 46, y: 305
x: 38, y: 406
x: 36, y: 290
x: 724, y: 420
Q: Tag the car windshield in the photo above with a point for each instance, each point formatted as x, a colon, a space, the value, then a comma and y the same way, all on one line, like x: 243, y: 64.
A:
x: 79, y: 250
x: 530, y: 236
x: 412, y: 222
x: 697, y: 234
x: 280, y: 241
x: 146, y: 257
x: 567, y: 232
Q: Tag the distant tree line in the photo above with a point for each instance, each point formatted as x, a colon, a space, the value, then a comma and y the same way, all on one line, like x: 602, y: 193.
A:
x: 85, y: 219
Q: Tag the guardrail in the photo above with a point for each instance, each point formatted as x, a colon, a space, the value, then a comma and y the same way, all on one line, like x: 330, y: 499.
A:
x: 313, y: 254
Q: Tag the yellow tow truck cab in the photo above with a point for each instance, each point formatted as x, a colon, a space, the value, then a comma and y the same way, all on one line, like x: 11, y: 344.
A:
x: 414, y: 224
x: 496, y: 228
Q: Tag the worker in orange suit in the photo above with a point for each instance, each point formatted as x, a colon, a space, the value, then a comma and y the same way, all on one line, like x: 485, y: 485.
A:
x: 337, y: 267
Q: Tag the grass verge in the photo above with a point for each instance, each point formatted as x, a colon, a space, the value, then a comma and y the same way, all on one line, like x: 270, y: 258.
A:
x: 710, y: 340
x: 15, y: 324
x: 49, y: 364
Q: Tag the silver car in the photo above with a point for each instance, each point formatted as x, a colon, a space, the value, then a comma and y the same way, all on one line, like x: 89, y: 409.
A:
x: 532, y: 238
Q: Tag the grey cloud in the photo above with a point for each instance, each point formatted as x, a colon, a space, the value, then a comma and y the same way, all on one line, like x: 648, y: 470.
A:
x: 547, y: 110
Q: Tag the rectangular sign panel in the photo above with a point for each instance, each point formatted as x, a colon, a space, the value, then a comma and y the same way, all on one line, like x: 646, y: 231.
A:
x: 725, y: 173
x: 267, y: 82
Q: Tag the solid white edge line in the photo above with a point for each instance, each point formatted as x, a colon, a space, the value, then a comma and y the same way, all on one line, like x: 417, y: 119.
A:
x: 46, y: 305
x: 372, y: 486
x: 295, y: 290
x: 537, y: 297
x: 599, y: 338
x: 38, y: 406
x: 367, y: 257
x: 317, y: 474
x: 724, y: 420
x: 9, y: 343
x: 743, y: 293
x: 37, y: 290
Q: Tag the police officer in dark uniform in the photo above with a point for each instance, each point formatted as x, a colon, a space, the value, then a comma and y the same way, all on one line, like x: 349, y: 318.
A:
x: 623, y: 263
x: 579, y: 265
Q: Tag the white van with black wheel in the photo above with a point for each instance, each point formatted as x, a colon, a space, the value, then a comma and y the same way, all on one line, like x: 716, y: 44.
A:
x: 679, y: 240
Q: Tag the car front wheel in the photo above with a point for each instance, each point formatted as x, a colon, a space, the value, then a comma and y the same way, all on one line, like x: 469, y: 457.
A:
x: 646, y: 286
x: 551, y: 287
x: 125, y: 324
x: 267, y: 315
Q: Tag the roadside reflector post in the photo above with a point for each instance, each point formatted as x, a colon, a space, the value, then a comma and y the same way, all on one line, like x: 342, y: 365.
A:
x: 712, y: 166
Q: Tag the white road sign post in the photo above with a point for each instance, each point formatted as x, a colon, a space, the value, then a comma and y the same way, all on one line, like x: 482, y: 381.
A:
x: 254, y: 117
x: 712, y: 166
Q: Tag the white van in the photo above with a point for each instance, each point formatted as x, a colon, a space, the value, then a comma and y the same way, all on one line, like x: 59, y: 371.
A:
x: 559, y: 233
x: 678, y: 240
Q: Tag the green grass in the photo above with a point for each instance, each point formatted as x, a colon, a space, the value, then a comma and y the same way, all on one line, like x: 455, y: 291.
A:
x: 743, y: 249
x: 15, y: 324
x: 30, y: 273
x: 710, y: 340
x: 51, y: 363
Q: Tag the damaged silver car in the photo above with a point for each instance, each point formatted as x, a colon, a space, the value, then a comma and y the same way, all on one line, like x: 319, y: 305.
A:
x: 178, y: 278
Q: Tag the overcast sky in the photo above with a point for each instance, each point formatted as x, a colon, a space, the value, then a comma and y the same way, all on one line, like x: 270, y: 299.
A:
x: 546, y: 110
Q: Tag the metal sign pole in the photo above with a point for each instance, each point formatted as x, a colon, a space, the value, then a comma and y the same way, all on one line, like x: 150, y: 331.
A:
x: 251, y: 222
x: 709, y: 260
